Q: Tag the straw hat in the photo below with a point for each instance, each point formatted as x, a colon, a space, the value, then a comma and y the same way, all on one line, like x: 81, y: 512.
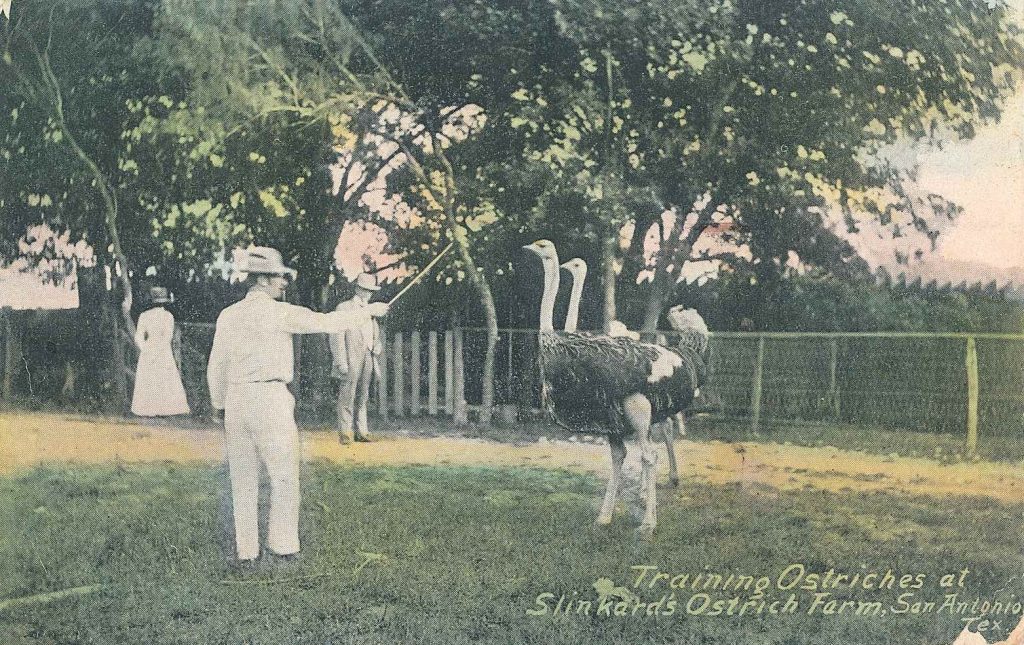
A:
x: 265, y: 260
x: 159, y: 295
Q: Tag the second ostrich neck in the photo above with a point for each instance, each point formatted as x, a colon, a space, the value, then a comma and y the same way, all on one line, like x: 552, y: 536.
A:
x: 572, y: 318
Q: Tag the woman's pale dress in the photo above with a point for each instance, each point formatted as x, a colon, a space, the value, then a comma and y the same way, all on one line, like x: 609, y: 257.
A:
x: 158, y: 388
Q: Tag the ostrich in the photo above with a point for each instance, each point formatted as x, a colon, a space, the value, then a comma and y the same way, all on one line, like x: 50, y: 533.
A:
x: 674, y: 426
x: 693, y: 341
x: 685, y: 321
x: 613, y: 386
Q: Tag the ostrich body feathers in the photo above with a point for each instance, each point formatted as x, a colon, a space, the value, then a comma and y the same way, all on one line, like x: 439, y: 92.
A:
x: 587, y: 377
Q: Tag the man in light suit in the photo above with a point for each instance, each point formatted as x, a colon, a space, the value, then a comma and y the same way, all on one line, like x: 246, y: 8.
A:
x: 248, y: 374
x: 357, y: 354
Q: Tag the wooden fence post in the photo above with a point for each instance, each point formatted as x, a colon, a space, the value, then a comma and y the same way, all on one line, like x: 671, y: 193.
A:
x: 510, y: 374
x: 833, y: 384
x: 9, y: 347
x: 460, y: 415
x: 120, y: 366
x: 414, y: 374
x: 755, y: 403
x: 399, y: 366
x: 972, y: 395
x: 432, y: 373
x: 449, y: 372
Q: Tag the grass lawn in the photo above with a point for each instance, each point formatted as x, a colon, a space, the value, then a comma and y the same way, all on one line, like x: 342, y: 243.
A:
x: 459, y: 555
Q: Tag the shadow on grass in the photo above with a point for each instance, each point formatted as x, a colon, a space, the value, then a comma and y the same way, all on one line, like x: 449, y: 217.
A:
x: 458, y: 555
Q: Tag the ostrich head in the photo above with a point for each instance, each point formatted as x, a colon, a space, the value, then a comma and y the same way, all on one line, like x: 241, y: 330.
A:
x: 577, y: 268
x: 545, y: 250
x: 693, y: 331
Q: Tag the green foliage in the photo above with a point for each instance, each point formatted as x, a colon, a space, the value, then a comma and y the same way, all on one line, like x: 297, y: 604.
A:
x: 766, y: 113
x: 817, y: 302
x: 68, y: 68
x: 212, y: 125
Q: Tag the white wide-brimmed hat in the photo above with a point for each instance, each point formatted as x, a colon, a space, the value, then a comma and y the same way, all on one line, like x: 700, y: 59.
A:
x: 367, y: 281
x: 265, y: 260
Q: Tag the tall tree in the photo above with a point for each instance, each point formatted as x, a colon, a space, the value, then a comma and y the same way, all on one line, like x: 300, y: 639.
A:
x: 69, y: 69
x: 802, y: 99
x: 270, y: 113
x: 746, y: 111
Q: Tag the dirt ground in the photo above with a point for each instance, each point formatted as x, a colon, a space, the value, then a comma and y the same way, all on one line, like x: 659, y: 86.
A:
x: 28, y: 439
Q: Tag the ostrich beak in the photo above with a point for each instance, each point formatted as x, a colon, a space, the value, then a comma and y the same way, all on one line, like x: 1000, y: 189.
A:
x: 533, y: 248
x: 545, y: 250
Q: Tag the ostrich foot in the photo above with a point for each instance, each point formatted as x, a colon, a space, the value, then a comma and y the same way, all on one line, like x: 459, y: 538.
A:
x: 674, y: 481
x: 603, y: 520
x: 645, y: 532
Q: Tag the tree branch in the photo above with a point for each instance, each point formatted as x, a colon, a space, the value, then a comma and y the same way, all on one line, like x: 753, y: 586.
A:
x: 368, y: 177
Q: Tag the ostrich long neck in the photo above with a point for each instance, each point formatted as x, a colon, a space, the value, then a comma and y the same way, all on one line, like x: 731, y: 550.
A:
x: 572, y: 318
x: 547, y: 301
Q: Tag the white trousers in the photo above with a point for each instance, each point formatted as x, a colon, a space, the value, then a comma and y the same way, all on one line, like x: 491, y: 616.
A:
x: 354, y: 395
x: 259, y: 425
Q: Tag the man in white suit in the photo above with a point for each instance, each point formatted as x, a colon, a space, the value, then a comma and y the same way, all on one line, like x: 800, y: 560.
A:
x: 248, y: 373
x: 357, y: 353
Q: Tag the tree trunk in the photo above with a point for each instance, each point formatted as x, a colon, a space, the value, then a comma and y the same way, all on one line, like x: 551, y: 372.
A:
x: 654, y: 304
x: 124, y: 353
x: 459, y: 416
x: 120, y: 267
x: 664, y: 283
x: 673, y: 252
x: 486, y: 299
x: 117, y: 369
x: 491, y: 317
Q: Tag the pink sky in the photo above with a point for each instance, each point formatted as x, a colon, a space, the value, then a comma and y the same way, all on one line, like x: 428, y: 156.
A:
x: 986, y: 177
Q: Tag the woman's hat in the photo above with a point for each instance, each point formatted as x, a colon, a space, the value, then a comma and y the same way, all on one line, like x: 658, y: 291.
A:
x: 160, y: 295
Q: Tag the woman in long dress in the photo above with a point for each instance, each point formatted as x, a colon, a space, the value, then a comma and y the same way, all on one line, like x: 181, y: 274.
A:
x: 158, y: 388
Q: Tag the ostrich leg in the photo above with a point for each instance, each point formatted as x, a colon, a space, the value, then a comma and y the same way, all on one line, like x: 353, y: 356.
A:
x: 618, y: 448
x: 638, y: 414
x: 676, y: 428
x: 679, y: 422
x: 670, y: 435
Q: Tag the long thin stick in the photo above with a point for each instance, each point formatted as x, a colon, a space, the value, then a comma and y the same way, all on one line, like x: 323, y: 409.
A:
x: 422, y: 273
x: 49, y: 596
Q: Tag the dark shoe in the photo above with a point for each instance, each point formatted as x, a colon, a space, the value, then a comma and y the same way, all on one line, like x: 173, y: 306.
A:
x: 365, y: 437
x: 287, y: 557
x: 245, y: 566
x: 344, y: 439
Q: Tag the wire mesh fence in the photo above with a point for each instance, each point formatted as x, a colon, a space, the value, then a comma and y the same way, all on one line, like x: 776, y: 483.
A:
x: 917, y: 382
x: 948, y: 384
